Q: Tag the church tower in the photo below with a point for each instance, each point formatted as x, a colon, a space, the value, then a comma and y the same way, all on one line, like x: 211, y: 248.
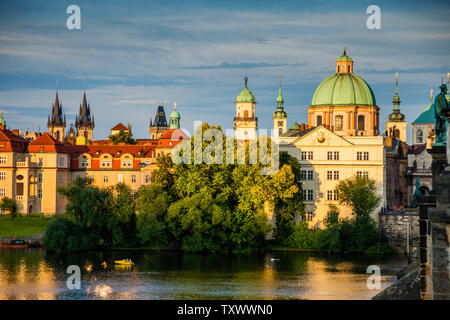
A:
x: 396, y: 126
x: 56, y: 121
x: 84, y: 122
x: 159, y: 125
x: 279, y: 116
x: 175, y: 118
x: 245, y: 122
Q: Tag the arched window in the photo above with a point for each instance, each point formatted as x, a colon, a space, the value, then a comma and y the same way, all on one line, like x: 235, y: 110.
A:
x: 57, y: 135
x: 319, y: 120
x: 280, y: 131
x: 361, y: 123
x: 348, y: 68
x: 338, y: 69
x: 339, y: 122
x: 419, y: 136
x: 246, y: 114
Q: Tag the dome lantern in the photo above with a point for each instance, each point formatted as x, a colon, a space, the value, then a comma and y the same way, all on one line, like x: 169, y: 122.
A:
x: 344, y: 64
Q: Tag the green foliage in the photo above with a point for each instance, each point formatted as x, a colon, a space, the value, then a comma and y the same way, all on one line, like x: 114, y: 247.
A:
x: 302, y: 237
x: 123, y: 221
x: 200, y: 223
x: 152, y: 203
x: 122, y: 137
x: 63, y: 234
x: 89, y: 206
x: 359, y: 193
x: 163, y: 176
x: 8, y: 204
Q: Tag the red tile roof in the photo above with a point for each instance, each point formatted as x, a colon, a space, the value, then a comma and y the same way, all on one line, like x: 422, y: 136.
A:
x: 120, y: 126
x: 11, y: 142
x: 47, y: 143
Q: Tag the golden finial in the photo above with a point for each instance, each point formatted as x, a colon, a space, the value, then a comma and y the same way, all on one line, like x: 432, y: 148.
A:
x: 175, y: 106
x: 345, y: 51
x: 431, y: 94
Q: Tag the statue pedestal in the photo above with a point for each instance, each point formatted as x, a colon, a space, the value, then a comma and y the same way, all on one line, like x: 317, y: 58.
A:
x: 439, y: 154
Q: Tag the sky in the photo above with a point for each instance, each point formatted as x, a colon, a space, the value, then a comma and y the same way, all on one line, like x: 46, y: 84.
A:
x: 133, y: 55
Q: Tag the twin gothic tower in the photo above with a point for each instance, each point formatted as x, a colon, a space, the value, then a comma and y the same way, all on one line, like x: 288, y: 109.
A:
x: 84, y: 122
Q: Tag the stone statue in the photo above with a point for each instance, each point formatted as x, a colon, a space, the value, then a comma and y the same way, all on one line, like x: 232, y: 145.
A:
x: 440, y: 107
x: 415, y: 202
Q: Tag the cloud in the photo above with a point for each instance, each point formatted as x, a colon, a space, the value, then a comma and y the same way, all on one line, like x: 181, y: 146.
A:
x: 247, y: 65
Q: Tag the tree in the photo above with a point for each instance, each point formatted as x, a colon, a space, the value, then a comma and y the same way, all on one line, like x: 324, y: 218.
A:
x: 122, y: 137
x: 10, y: 205
x: 123, y: 222
x: 152, y: 203
x: 163, y: 175
x: 359, y: 193
x: 200, y: 223
x: 89, y: 206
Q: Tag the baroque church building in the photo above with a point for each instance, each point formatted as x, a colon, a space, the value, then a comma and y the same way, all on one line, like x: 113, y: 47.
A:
x: 341, y: 139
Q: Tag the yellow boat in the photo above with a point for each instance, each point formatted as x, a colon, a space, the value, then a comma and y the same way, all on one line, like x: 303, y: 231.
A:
x: 124, y: 262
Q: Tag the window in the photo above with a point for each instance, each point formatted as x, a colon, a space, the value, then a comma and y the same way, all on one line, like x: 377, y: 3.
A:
x: 419, y: 136
x: 303, y: 155
x: 41, y: 162
x: 147, y: 178
x: 330, y: 155
x: 2, y: 175
x: 133, y: 178
x: 307, y: 174
x: 40, y: 177
x: 309, y: 216
x: 332, y: 195
x: 84, y: 163
x: 364, y: 174
x: 361, y: 122
x: 366, y: 155
x: 308, y: 195
x: 310, y: 155
x: 39, y: 193
x: 106, y: 163
x: 2, y: 159
x: 105, y: 178
x: 61, y: 178
x: 339, y: 122
x: 359, y: 155
x: 2, y: 192
x: 61, y: 162
x: 319, y: 120
x: 336, y: 155
x: 120, y: 177
x: 332, y: 175
x: 336, y: 175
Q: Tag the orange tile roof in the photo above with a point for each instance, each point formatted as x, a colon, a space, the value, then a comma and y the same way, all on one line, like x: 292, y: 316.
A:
x: 119, y: 126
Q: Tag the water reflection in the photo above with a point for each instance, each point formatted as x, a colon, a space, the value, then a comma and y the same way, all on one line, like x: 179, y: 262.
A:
x: 37, y: 274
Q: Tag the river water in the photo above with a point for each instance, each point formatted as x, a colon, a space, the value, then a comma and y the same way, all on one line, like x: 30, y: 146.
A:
x: 38, y: 274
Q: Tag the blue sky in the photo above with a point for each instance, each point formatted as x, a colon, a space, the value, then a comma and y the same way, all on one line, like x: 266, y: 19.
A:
x: 133, y: 55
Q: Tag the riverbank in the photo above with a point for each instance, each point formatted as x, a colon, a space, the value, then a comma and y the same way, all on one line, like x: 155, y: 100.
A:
x: 23, y: 227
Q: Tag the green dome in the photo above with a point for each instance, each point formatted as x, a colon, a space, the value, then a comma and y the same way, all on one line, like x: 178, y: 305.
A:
x: 246, y: 96
x: 427, y: 115
x: 295, y: 126
x: 344, y: 57
x: 175, y: 114
x: 345, y: 89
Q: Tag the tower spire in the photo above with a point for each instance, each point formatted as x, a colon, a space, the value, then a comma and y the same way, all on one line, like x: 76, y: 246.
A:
x: 396, y: 115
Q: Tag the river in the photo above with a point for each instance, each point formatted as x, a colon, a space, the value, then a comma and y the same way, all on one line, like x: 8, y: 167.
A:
x: 38, y: 274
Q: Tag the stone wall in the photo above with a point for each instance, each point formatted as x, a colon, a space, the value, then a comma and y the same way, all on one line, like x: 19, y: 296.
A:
x: 395, y: 228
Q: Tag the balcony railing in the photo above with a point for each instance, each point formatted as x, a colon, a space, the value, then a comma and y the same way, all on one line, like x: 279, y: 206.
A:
x: 245, y: 118
x: 19, y: 197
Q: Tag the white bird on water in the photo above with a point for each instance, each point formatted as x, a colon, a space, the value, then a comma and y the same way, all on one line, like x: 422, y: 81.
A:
x: 273, y: 259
